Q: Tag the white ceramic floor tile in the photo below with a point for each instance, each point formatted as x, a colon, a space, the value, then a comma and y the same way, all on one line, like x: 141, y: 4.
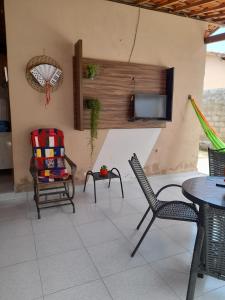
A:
x: 218, y: 294
x: 184, y: 234
x: 66, y: 270
x: 20, y: 282
x: 50, y: 223
x: 90, y: 291
x: 15, y: 228
x: 128, y: 224
x: 140, y: 203
x: 53, y: 242
x: 163, y: 223
x: 48, y: 212
x: 116, y: 207
x: 102, y: 193
x: 139, y: 283
x: 17, y: 250
x: 87, y: 214
x: 175, y: 271
x: 178, y: 263
x: 107, y: 229
x: 113, y: 257
x: 98, y: 232
x: 158, y: 245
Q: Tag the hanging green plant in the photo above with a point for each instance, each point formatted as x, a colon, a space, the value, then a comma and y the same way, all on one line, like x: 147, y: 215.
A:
x: 95, y: 106
x: 91, y: 71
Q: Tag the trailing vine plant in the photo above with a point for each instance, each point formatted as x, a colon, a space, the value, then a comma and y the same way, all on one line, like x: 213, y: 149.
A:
x: 95, y: 106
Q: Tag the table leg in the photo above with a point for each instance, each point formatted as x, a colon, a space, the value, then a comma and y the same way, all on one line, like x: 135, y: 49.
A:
x: 198, y: 255
x: 121, y: 184
x: 88, y: 173
x: 94, y: 189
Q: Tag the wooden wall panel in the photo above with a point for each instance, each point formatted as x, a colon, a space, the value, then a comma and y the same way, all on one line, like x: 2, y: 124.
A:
x: 114, y: 85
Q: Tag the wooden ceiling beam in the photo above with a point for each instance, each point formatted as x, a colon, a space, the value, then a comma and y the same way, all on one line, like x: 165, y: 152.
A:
x: 213, y: 16
x: 215, y: 38
x: 166, y: 3
x: 220, y: 18
x: 140, y: 2
x: 192, y: 5
x: 211, y: 9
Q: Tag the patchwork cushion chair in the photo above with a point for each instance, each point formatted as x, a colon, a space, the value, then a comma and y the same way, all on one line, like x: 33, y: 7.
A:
x: 49, y: 171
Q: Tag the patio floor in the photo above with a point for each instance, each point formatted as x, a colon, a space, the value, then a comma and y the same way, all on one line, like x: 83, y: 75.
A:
x: 86, y: 255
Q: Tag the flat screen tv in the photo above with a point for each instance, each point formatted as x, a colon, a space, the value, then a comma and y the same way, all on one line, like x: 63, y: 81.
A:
x: 150, y: 106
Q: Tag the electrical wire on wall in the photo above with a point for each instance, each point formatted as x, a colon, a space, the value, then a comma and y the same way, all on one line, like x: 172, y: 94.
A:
x: 135, y: 34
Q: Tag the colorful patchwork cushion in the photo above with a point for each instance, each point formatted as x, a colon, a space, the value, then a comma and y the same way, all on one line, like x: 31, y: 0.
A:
x: 48, y: 152
x: 50, y: 137
x: 52, y: 175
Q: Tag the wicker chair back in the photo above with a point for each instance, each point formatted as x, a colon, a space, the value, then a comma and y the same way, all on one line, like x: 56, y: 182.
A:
x: 143, y: 181
x: 216, y: 162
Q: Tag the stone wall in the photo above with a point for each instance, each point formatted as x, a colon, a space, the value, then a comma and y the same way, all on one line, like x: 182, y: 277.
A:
x: 213, y: 106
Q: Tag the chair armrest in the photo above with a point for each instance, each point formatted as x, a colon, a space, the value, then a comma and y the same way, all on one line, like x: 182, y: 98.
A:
x: 33, y: 168
x: 72, y: 165
x: 165, y: 187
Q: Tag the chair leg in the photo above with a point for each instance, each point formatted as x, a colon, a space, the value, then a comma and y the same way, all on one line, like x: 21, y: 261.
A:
x: 195, y: 263
x: 145, y: 214
x: 70, y: 197
x: 143, y: 236
x: 36, y: 198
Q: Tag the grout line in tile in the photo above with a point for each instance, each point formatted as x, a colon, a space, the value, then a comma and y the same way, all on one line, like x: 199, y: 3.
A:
x: 71, y: 287
x: 19, y: 263
x: 39, y: 271
x: 203, y: 294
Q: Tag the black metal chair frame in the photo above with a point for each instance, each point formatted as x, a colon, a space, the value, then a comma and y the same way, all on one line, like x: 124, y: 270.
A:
x: 64, y: 188
x: 96, y: 177
x: 160, y: 209
x: 216, y: 162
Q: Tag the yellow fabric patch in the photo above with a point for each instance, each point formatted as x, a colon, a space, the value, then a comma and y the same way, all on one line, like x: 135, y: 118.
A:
x: 51, y: 152
x: 38, y: 152
x: 47, y: 173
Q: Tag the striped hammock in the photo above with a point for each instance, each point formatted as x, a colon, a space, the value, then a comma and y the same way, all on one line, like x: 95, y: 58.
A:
x: 209, y: 131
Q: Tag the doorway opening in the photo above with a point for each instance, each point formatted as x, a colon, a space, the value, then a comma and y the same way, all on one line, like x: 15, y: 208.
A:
x: 6, y: 162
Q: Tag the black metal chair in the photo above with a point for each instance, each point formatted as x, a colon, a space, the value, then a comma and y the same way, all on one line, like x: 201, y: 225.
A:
x: 209, y: 251
x: 173, y: 210
x: 216, y: 162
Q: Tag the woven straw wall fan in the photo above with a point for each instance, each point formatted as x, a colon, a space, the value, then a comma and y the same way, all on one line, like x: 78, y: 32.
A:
x: 44, y: 74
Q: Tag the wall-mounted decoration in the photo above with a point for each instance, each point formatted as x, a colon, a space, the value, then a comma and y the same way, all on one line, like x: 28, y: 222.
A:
x: 44, y: 74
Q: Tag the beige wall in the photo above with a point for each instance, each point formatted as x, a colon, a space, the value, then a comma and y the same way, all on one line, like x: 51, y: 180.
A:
x: 214, y: 72
x: 107, y: 30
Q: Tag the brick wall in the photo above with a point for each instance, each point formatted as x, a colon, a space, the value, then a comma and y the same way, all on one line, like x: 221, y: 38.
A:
x: 213, y: 106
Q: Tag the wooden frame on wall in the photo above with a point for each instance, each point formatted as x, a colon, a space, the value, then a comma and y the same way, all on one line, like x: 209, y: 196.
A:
x: 114, y: 85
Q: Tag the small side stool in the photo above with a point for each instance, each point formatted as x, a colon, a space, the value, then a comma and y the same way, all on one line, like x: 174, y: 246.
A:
x: 96, y: 176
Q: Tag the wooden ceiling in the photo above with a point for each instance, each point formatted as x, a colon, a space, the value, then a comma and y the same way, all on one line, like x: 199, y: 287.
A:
x: 207, y: 10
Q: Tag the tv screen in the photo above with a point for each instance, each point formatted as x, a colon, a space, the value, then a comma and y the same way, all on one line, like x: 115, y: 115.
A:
x: 150, y: 106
